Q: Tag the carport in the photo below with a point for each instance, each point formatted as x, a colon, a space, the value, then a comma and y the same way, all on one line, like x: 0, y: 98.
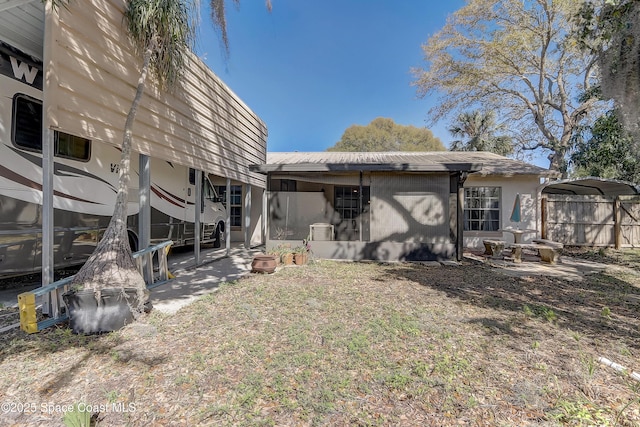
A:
x: 591, y: 186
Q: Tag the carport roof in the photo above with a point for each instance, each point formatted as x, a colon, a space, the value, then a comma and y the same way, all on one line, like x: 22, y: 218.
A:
x: 435, y: 161
x: 591, y: 186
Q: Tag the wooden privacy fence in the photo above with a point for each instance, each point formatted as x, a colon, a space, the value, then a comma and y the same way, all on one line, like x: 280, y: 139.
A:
x: 591, y: 220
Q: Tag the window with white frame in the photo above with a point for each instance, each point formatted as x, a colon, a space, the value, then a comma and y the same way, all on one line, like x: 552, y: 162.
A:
x: 235, y: 203
x: 482, y: 208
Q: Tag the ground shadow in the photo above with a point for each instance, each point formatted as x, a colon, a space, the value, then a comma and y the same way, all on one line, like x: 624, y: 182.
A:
x: 600, y: 305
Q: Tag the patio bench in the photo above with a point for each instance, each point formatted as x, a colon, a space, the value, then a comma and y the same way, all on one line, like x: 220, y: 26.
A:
x: 548, y: 243
x: 548, y: 253
x: 549, y: 250
x: 493, y: 247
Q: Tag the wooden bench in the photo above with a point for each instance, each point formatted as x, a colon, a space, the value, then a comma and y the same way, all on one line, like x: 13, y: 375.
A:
x: 548, y: 243
x: 549, y: 250
x: 548, y: 253
x: 493, y: 248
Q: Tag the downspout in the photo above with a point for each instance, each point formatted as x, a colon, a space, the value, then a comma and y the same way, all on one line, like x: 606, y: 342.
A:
x: 462, y: 177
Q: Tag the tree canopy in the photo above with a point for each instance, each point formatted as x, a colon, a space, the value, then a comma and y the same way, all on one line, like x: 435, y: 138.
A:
x: 517, y: 58
x: 606, y: 149
x: 610, y: 29
x: 478, y: 130
x: 219, y: 18
x: 383, y: 134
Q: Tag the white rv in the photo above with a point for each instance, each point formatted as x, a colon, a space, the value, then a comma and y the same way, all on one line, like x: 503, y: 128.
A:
x: 85, y: 183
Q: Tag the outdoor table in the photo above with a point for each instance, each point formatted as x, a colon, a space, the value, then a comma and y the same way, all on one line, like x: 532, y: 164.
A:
x: 517, y: 233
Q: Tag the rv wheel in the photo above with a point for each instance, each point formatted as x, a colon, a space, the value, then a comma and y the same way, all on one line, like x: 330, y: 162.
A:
x: 133, y: 242
x: 217, y: 238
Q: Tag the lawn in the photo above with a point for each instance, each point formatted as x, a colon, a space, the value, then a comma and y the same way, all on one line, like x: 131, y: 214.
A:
x: 362, y: 344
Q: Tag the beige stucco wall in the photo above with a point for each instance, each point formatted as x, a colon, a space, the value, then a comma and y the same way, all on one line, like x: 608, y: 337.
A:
x: 90, y: 81
x: 528, y: 188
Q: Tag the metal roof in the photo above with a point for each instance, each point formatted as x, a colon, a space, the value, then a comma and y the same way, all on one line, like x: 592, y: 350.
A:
x: 22, y: 25
x: 434, y: 161
x: 591, y: 186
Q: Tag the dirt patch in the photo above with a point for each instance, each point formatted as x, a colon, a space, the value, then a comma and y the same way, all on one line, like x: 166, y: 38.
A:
x: 351, y: 344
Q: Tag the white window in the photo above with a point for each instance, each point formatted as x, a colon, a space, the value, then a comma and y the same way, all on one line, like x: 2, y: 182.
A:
x: 234, y: 203
x: 482, y: 208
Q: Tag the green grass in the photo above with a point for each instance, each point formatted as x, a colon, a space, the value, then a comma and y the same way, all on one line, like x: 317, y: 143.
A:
x: 356, y: 344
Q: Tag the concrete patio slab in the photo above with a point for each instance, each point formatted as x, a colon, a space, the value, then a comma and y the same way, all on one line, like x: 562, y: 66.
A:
x: 192, y: 282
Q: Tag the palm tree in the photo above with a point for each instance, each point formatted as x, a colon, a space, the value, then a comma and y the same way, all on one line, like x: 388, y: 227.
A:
x: 479, y: 129
x: 162, y: 32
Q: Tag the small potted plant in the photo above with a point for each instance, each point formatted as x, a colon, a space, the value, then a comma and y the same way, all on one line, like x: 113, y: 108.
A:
x: 301, y: 255
x: 286, y: 254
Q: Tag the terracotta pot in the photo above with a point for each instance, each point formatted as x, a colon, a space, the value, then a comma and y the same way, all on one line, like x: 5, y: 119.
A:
x: 263, y: 264
x: 301, y: 259
x: 277, y: 258
x: 287, y: 259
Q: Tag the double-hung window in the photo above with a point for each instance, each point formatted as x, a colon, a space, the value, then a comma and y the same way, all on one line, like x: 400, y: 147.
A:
x: 233, y: 202
x: 482, y: 208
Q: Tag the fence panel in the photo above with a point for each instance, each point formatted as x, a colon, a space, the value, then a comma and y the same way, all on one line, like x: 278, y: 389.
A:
x: 629, y: 221
x: 579, y: 220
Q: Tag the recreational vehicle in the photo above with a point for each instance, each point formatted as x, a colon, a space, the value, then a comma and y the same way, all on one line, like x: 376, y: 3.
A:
x: 85, y: 183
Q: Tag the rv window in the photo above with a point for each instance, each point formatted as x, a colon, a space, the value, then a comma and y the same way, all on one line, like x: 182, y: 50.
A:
x: 27, y: 123
x: 27, y: 131
x: 192, y: 176
x: 72, y: 147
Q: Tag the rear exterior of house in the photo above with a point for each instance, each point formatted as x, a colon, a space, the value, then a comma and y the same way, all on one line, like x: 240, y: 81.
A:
x: 394, y: 206
x: 490, y: 195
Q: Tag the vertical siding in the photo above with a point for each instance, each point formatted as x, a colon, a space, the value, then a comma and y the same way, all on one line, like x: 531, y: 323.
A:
x: 410, y: 208
x: 630, y: 220
x: 580, y: 220
x: 201, y: 123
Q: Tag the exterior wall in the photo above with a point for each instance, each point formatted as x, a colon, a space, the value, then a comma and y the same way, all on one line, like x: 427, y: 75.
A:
x: 255, y: 229
x: 91, y: 79
x: 527, y: 186
x: 256, y: 225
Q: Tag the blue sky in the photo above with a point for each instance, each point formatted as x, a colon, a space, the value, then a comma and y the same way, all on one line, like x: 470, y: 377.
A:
x: 311, y: 69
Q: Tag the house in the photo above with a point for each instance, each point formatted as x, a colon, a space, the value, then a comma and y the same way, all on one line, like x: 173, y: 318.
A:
x: 396, y: 205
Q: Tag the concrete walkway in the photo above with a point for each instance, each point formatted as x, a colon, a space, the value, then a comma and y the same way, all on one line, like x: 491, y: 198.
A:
x: 192, y: 282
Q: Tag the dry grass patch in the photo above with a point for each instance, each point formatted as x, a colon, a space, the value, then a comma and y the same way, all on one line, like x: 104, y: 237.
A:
x: 358, y: 344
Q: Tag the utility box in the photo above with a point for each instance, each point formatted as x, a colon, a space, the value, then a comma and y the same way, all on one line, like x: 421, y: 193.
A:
x: 321, y: 231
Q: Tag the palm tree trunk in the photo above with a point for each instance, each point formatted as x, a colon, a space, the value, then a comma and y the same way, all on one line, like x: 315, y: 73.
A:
x: 112, y: 265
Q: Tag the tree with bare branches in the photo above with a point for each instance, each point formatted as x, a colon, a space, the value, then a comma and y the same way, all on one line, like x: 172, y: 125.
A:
x: 519, y: 59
